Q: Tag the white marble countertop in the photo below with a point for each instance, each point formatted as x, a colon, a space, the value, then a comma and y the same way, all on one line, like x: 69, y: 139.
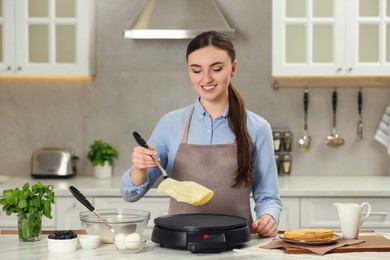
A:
x: 11, y: 248
x: 290, y: 186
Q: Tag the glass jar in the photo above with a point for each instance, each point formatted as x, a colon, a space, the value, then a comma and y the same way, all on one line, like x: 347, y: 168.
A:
x: 277, y: 137
x: 286, y: 163
x: 29, y: 227
x: 287, y: 141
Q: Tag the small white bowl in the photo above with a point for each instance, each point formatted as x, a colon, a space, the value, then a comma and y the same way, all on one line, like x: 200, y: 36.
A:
x: 62, y: 245
x: 89, y: 241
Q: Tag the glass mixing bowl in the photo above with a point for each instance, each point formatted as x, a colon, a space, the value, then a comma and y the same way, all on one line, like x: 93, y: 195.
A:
x: 115, y: 221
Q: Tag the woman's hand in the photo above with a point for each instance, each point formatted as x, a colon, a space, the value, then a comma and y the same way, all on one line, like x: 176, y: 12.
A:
x: 265, y: 226
x: 142, y: 161
x: 141, y: 157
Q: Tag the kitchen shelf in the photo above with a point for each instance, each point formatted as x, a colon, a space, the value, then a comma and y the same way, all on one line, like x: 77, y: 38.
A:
x: 332, y: 82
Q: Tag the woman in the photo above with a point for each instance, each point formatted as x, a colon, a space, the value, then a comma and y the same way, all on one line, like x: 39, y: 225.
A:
x: 216, y: 142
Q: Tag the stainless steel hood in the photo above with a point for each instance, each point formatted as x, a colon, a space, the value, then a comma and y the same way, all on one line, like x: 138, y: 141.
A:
x: 178, y: 19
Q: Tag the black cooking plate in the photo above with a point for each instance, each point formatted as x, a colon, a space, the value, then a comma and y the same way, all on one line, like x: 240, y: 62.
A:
x: 201, y: 232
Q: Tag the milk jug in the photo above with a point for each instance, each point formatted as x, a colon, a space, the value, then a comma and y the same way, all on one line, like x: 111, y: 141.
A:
x: 351, y: 218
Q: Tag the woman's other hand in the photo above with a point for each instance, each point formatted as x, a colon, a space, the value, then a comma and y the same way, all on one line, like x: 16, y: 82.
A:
x: 265, y: 226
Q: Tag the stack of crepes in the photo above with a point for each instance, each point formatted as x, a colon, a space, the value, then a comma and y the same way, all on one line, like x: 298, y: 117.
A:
x: 382, y: 134
x: 309, y: 234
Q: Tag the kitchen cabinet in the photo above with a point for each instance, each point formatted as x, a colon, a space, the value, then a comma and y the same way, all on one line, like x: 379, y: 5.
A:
x: 331, y: 38
x: 68, y: 211
x: 157, y: 206
x: 11, y: 222
x: 320, y: 212
x: 47, y: 37
x: 68, y: 208
x: 289, y: 217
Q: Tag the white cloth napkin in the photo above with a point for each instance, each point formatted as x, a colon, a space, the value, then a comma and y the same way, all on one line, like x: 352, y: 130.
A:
x: 382, y: 134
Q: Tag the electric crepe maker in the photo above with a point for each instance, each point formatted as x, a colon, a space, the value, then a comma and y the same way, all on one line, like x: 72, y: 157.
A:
x: 201, y: 233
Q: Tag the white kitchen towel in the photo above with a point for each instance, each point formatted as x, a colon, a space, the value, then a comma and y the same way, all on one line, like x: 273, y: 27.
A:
x: 382, y: 134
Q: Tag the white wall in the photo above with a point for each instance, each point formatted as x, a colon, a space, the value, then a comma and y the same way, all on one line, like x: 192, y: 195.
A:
x: 138, y: 81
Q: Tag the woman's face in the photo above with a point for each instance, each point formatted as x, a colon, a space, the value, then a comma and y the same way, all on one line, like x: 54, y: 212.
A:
x: 210, y: 70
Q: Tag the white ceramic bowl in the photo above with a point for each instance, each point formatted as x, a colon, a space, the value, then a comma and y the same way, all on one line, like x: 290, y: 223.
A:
x: 62, y: 245
x: 89, y: 241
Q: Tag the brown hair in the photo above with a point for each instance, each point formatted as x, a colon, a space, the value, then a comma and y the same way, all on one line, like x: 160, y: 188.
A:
x: 237, y: 111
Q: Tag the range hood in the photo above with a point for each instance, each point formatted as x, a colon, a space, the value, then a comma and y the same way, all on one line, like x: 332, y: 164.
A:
x: 178, y: 19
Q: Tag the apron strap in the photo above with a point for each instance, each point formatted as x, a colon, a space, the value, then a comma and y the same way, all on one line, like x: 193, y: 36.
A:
x: 185, y: 134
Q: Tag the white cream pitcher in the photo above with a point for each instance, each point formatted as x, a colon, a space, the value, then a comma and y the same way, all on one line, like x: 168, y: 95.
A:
x: 351, y: 219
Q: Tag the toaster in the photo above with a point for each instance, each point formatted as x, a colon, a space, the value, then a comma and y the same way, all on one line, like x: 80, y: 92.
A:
x: 53, y: 163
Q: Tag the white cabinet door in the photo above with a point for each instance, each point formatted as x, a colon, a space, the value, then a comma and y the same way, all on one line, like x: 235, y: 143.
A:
x: 68, y: 213
x: 49, y: 37
x: 331, y: 38
x: 368, y: 37
x: 157, y: 206
x: 11, y: 222
x: 7, y: 43
x: 308, y: 37
x: 320, y: 212
x: 289, y: 218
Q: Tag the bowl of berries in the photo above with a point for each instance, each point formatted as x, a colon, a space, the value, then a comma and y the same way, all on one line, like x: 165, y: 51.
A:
x: 62, y: 241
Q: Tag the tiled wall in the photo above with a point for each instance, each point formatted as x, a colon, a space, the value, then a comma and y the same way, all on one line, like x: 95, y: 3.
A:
x: 138, y: 81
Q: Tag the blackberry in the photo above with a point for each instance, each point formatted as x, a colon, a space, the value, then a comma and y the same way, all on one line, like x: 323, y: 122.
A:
x: 63, y: 234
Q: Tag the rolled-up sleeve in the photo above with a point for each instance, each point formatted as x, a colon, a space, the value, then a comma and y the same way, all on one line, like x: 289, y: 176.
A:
x: 131, y: 192
x: 265, y: 189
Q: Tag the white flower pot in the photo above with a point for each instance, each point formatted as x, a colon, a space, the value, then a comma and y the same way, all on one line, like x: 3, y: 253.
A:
x: 103, y: 172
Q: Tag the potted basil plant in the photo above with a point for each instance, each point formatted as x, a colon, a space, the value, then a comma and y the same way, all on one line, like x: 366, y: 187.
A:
x: 101, y: 156
x: 30, y: 204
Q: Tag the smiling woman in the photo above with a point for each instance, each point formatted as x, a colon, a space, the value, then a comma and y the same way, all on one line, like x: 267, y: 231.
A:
x: 215, y: 142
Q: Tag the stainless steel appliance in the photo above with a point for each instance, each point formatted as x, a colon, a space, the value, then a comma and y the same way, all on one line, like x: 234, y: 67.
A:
x: 53, y: 163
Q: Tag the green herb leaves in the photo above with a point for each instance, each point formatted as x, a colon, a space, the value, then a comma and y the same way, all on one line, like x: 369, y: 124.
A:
x: 100, y: 152
x: 34, y: 200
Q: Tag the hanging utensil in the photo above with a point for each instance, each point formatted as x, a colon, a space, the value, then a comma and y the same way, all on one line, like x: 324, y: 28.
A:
x: 360, y: 125
x: 80, y: 197
x: 305, y: 140
x: 185, y: 191
x: 334, y: 140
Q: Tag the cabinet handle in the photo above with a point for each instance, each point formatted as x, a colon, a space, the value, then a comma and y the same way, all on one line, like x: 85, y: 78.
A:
x: 9, y: 68
x: 19, y: 68
x: 350, y: 69
x: 376, y: 213
x: 339, y: 69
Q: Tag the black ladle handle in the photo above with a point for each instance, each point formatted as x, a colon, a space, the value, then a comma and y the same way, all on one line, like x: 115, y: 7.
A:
x: 360, y: 102
x: 140, y: 141
x: 305, y: 101
x: 80, y: 197
x: 334, y: 101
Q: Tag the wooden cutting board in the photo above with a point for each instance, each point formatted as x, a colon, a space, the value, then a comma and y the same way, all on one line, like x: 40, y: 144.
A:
x: 371, y: 244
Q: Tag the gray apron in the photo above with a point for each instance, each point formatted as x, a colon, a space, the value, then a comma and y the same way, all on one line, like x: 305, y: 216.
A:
x: 213, y: 166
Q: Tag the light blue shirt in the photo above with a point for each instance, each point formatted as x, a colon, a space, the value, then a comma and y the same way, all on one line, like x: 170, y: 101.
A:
x: 167, y: 136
